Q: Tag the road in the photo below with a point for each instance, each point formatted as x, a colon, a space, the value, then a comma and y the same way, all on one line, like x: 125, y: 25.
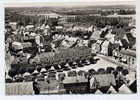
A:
x: 111, y: 59
x: 104, y: 63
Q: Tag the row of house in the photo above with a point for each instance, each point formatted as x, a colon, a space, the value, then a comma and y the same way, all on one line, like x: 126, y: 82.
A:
x: 126, y: 56
x: 102, y: 46
x: 117, y: 43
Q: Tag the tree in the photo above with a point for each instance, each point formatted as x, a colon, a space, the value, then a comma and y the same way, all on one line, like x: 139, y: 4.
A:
x: 31, y: 70
x: 119, y: 68
x: 101, y: 71
x: 81, y: 73
x: 22, y: 70
x: 12, y: 73
x: 110, y: 69
x: 125, y: 71
x: 92, y: 71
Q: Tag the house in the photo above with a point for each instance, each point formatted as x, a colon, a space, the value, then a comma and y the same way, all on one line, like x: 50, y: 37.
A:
x: 124, y: 89
x: 128, y: 56
x: 30, y: 27
x: 8, y: 61
x: 125, y: 44
x: 121, y: 44
x: 127, y: 39
x: 134, y: 46
x: 22, y: 88
x: 68, y: 18
x: 132, y: 22
x: 110, y: 37
x: 75, y: 85
x: 116, y: 53
x: 107, y: 48
x: 59, y: 28
x: 102, y: 80
x: 90, y: 29
x: 17, y: 46
x: 96, y: 35
x: 49, y: 15
x: 49, y: 87
x: 133, y: 32
x: 98, y: 92
x: 133, y: 86
x: 13, y: 25
x: 119, y: 33
x: 130, y: 39
x: 96, y: 47
x: 111, y: 90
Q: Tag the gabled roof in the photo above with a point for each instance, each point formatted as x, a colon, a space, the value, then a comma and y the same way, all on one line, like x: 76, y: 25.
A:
x: 111, y: 90
x: 119, y: 33
x: 124, y: 43
x: 29, y: 26
x: 124, y: 89
x: 99, y: 41
x: 52, y: 68
x: 133, y: 86
x: 98, y: 92
x: 26, y: 74
x: 43, y: 70
x: 131, y: 39
x: 96, y: 34
x: 35, y: 72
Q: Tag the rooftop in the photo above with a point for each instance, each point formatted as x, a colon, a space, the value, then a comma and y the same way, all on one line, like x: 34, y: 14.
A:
x: 78, y: 79
x: 129, y: 52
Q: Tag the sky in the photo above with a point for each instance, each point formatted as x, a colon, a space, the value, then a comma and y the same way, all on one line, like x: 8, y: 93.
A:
x: 63, y: 3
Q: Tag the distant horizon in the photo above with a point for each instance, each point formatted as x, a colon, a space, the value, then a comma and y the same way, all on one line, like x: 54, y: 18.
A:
x: 69, y: 4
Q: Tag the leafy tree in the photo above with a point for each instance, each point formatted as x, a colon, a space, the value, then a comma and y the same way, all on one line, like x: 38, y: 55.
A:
x: 12, y: 73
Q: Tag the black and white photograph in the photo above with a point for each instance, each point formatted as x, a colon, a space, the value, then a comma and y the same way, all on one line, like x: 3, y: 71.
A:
x: 70, y: 48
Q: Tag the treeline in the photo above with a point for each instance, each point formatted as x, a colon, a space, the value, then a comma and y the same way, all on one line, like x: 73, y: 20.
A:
x: 28, y: 19
x: 104, y: 13
x: 100, y: 21
x: 126, y: 12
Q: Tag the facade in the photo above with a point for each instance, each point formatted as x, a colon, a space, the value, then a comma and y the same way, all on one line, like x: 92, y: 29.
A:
x: 96, y: 35
x: 67, y: 19
x: 130, y: 39
x: 75, y: 85
x: 96, y: 47
x: 106, y: 48
x: 126, y: 56
x: 130, y: 56
x: 102, y: 80
x: 13, y: 25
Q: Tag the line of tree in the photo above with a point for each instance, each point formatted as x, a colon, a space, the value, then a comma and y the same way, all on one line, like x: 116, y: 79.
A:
x: 100, y: 21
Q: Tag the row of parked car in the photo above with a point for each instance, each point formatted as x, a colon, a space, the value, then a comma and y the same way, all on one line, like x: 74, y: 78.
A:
x: 35, y: 69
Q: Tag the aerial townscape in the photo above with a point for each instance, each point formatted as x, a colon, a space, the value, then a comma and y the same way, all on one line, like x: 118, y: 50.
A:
x: 70, y: 50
